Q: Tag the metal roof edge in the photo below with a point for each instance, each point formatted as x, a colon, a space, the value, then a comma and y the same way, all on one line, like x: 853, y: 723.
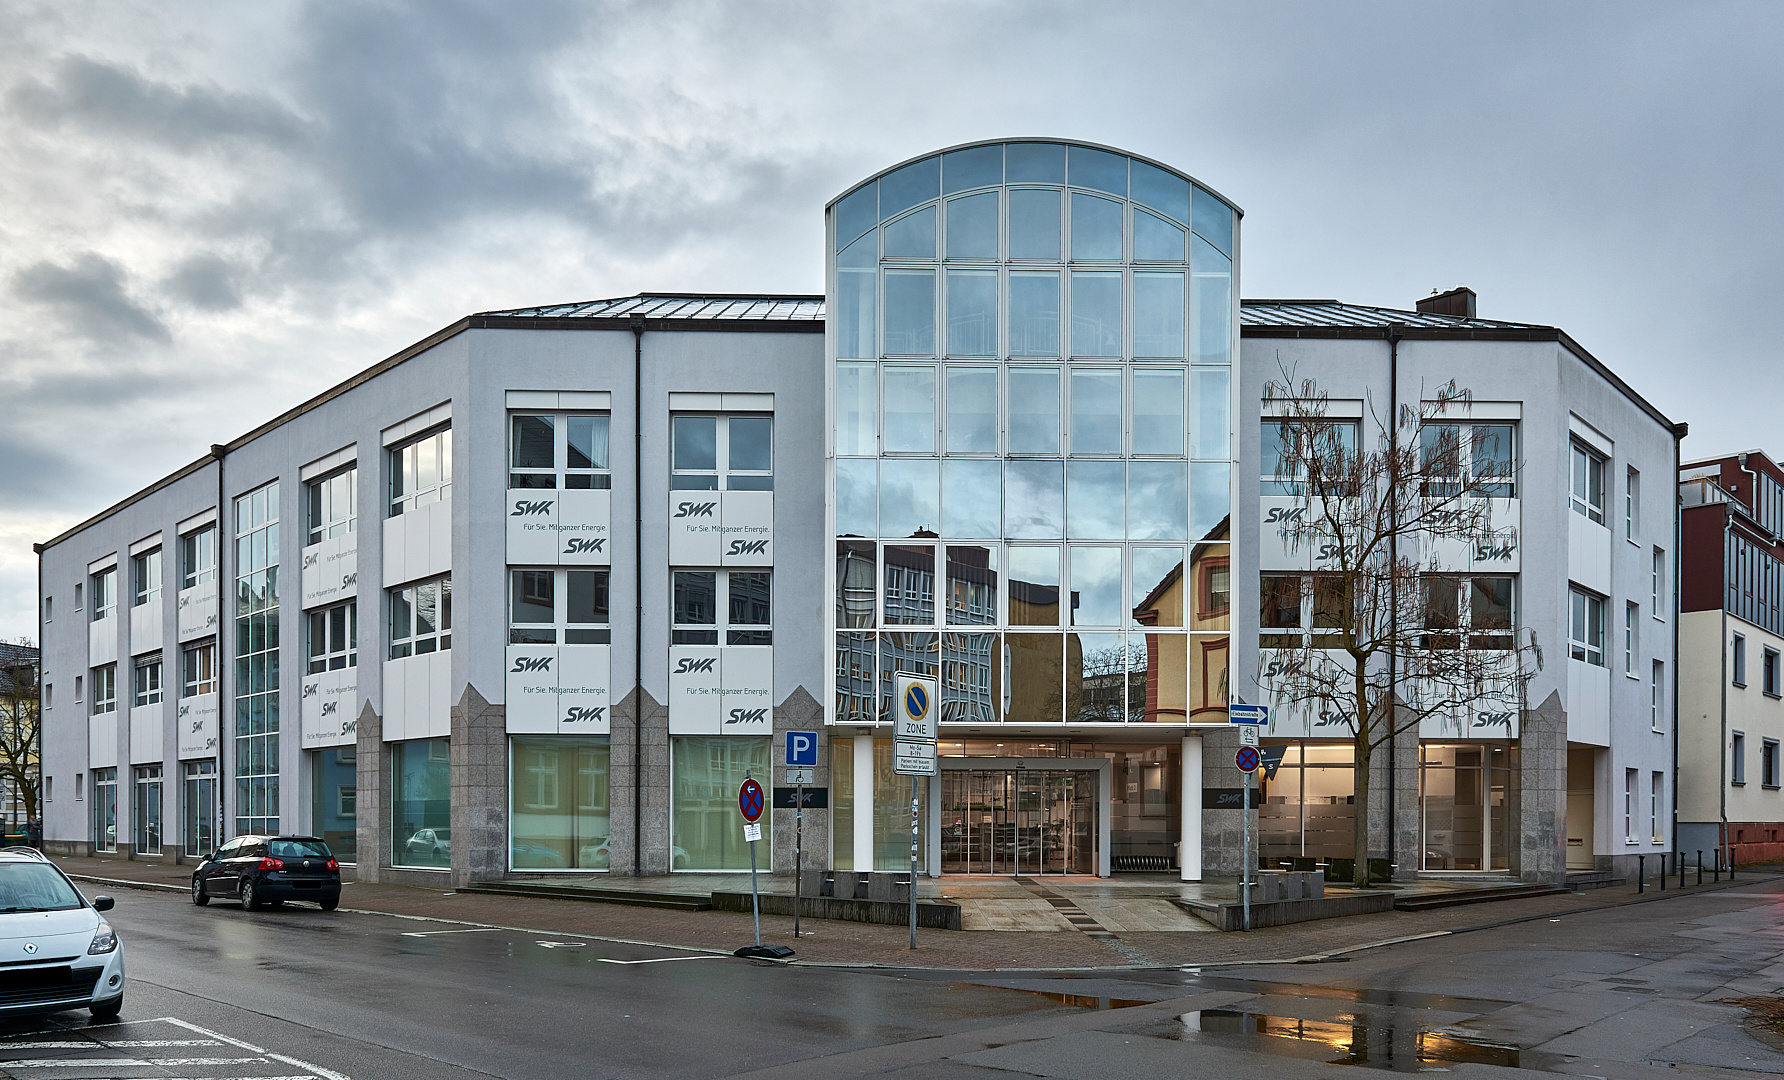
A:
x: 818, y: 297
x: 505, y: 321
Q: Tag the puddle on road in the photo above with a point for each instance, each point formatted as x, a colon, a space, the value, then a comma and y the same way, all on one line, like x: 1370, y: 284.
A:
x: 1358, y: 1042
x: 1084, y: 1001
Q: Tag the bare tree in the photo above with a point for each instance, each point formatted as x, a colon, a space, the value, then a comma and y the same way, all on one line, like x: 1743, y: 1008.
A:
x: 20, y: 722
x: 1391, y: 628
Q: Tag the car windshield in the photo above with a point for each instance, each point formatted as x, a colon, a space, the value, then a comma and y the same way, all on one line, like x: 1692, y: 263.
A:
x: 35, y: 887
x: 297, y: 849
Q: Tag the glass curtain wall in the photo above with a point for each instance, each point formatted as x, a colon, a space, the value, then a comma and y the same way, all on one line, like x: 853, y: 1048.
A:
x: 1308, y: 811
x: 1467, y: 802
x: 421, y: 804
x: 256, y: 684
x: 706, y: 832
x: 558, y: 815
x: 1033, y: 389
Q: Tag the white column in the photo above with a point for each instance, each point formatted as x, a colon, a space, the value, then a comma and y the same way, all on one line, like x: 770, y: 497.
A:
x: 1189, y: 855
x: 863, y: 802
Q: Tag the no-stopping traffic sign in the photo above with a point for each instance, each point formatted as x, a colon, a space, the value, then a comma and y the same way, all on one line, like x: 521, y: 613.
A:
x: 1246, y: 759
x: 749, y: 799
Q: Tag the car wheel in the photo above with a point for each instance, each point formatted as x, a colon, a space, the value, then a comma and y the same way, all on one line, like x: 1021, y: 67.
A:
x: 198, y: 895
x: 108, y: 1010
x: 331, y: 903
x: 250, y: 902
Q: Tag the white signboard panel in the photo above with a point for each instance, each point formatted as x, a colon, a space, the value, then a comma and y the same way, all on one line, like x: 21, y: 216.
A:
x: 102, y: 741
x: 328, y: 709
x: 747, y: 528
x: 584, y: 528
x: 331, y: 570
x: 532, y: 526
x: 196, y: 611
x: 694, y: 690
x: 196, y: 718
x: 913, y: 758
x: 694, y: 528
x: 914, y: 711
x: 145, y: 733
x: 746, y: 687
x: 584, y: 697
x: 531, y: 690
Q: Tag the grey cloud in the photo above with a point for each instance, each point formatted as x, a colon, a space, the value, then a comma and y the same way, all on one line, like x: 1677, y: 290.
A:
x: 90, y: 299
x: 92, y: 95
x: 207, y: 282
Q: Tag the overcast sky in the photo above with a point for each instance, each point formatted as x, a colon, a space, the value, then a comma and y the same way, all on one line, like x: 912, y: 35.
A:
x: 211, y: 211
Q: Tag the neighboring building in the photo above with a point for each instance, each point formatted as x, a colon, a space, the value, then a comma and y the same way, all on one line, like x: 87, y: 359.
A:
x: 20, y: 709
x: 1731, y: 634
x: 1579, y: 780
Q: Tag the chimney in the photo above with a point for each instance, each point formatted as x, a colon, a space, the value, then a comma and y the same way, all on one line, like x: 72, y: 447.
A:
x: 1458, y: 301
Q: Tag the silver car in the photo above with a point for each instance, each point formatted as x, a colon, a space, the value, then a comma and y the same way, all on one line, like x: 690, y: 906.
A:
x: 56, y: 950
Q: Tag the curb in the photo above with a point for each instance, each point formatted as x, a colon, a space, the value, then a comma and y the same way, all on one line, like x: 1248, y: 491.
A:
x: 147, y: 886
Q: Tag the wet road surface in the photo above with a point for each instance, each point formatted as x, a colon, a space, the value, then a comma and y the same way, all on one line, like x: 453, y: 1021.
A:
x: 1632, y: 992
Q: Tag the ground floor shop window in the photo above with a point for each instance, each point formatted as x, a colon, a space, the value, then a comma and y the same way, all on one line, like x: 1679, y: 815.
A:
x: 421, y: 804
x: 334, y: 800
x: 148, y: 810
x: 105, y: 809
x: 201, y: 807
x: 842, y: 802
x: 1309, y: 810
x: 558, y: 802
x: 1467, y: 799
x: 892, y: 813
x: 706, y: 828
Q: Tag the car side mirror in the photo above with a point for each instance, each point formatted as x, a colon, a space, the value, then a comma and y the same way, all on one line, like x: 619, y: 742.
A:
x: 103, y: 903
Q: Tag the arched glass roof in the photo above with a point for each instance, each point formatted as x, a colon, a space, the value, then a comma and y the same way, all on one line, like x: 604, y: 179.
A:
x: 1034, y: 161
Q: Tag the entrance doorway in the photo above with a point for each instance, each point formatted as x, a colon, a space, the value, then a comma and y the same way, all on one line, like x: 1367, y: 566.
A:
x: 1019, y: 821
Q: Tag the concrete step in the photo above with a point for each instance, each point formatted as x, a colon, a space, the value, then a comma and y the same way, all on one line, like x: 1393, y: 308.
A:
x: 679, y: 901
x: 1580, y: 880
x: 1429, y: 901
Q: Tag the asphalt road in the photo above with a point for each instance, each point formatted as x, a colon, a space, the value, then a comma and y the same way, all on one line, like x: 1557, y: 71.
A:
x: 295, y: 992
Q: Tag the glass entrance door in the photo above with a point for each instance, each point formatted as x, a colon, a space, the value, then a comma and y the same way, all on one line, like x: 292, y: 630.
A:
x: 1018, y: 821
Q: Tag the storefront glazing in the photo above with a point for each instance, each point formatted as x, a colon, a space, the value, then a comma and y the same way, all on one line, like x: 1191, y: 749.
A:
x: 558, y: 809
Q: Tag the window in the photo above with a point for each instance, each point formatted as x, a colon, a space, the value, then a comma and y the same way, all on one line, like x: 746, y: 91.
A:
x: 77, y: 596
x: 1585, y: 627
x: 1768, y: 675
x: 77, y: 688
x: 1657, y: 584
x: 1632, y: 502
x: 744, y: 446
x: 1284, y: 460
x: 1768, y: 763
x: 334, y: 638
x: 148, y: 809
x: 105, y: 689
x: 105, y: 808
x: 1656, y: 695
x: 549, y: 606
x: 1740, y: 660
x: 421, y: 618
x: 421, y: 471
x: 1474, y: 459
x: 1656, y: 790
x: 105, y: 594
x: 256, y: 656
x: 732, y: 603
x: 558, y: 450
x: 49, y: 608
x: 145, y: 578
x: 1294, y: 605
x: 1587, y: 488
x: 333, y: 503
x: 147, y: 681
x: 198, y: 669
x: 1630, y: 614
x: 49, y: 695
x: 200, y: 808
x: 1737, y: 772
x: 198, y: 557
x: 1630, y: 780
x: 1478, y: 608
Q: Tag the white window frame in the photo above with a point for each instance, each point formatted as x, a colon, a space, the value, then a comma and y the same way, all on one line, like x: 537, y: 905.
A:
x: 1737, y: 751
x: 438, y: 591
x: 723, y: 477
x: 1632, y: 501
x: 1656, y: 684
x: 560, y: 629
x: 198, y: 556
x: 1464, y: 628
x: 1467, y: 481
x: 331, y: 505
x: 146, y: 682
x: 723, y: 630
x: 105, y: 593
x: 1768, y: 763
x: 1587, y: 464
x: 105, y: 689
x: 198, y: 669
x: 1656, y: 798
x: 1657, y: 585
x: 559, y: 475
x: 1768, y: 671
x: 1739, y: 662
x: 1631, y: 779
x: 145, y: 577
x: 49, y: 609
x: 1275, y: 483
x: 404, y: 489
x: 338, y: 627
x: 1631, y: 613
x: 1585, y: 634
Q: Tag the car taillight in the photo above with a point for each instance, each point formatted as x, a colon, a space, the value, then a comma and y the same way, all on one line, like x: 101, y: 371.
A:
x: 333, y: 865
x: 272, y: 864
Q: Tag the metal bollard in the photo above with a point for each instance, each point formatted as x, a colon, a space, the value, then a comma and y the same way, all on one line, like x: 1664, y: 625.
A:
x: 1663, y: 871
x: 1641, y: 866
x: 1731, y: 862
x: 1717, y: 866
x: 1700, y: 866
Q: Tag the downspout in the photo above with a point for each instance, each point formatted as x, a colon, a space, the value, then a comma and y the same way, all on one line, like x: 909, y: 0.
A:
x: 1722, y: 741
x: 218, y: 450
x: 637, y: 596
x: 1679, y: 433
x: 1394, y: 334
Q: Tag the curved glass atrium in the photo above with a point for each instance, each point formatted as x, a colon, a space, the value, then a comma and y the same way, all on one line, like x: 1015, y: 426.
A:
x: 1032, y: 353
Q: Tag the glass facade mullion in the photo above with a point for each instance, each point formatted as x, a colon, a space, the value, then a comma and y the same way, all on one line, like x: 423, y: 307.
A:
x: 256, y: 686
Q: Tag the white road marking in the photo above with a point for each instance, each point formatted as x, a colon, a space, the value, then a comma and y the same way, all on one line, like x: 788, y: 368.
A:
x: 658, y: 960
x: 437, y: 933
x: 324, y: 1074
x: 119, y: 1063
x: 562, y: 944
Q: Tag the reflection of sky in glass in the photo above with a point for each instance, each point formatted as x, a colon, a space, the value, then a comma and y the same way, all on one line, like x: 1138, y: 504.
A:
x: 1094, y: 500
x: 972, y: 409
x: 1158, y: 410
x: 910, y: 409
x: 857, y: 403
x: 911, y: 237
x: 1034, y: 313
x: 1034, y: 224
x: 1157, y: 240
x: 971, y: 497
x: 1156, y: 501
x: 1098, y: 169
x: 1096, y: 410
x: 1158, y: 315
x: 972, y: 227
x: 856, y: 497
x: 1036, y: 495
x: 1096, y: 228
x: 977, y: 166
x: 1154, y: 187
x: 910, y: 312
x: 904, y: 188
x: 1096, y: 313
x: 1211, y: 434
x: 1034, y: 410
x: 1096, y: 586
x: 908, y: 496
x: 972, y: 312
x: 1210, y: 483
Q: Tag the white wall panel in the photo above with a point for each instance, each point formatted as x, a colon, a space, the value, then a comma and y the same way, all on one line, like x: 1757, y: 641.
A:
x: 396, y: 699
x: 746, y: 528
x: 102, y: 741
x: 1588, y: 703
x: 1589, y: 554
x: 532, y: 527
x: 328, y: 708
x: 196, y: 611
x: 102, y: 642
x: 145, y: 628
x: 146, y: 734
x: 331, y: 570
x: 694, y: 528
x: 438, y: 721
x: 694, y: 684
x: 196, y: 736
x: 746, y: 688
x: 531, y: 689
x: 585, y: 527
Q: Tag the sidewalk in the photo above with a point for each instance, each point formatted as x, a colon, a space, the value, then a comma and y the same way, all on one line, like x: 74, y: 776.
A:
x: 862, y: 944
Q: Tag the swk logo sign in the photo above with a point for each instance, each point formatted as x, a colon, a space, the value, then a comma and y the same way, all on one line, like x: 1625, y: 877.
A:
x: 581, y: 545
x: 1327, y: 552
x: 532, y: 663
x: 748, y: 547
x: 310, y: 559
x: 692, y: 510
x: 523, y: 508
x: 592, y: 714
x: 349, y: 580
x: 1283, y: 515
x: 328, y: 707
x: 747, y: 716
x: 311, y: 688
x: 688, y: 664
x: 1493, y: 719
x: 348, y: 727
x: 185, y: 711
x: 1493, y: 552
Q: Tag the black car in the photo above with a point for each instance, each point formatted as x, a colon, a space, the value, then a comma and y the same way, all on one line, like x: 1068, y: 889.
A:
x: 269, y: 870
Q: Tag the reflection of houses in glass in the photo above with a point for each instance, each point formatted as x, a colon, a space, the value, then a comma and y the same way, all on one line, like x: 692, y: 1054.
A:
x: 971, y: 663
x: 1192, y: 687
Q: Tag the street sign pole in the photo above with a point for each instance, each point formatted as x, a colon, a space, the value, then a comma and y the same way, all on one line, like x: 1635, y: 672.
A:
x: 914, y: 733
x: 798, y: 855
x: 802, y: 758
x: 1245, y: 886
x: 755, y: 894
x: 914, y: 826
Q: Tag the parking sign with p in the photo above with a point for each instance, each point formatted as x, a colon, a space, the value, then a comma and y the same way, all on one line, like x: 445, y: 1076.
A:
x: 802, y: 748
